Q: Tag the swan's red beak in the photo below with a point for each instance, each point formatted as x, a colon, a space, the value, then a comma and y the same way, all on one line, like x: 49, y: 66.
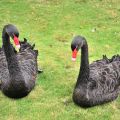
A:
x: 16, y: 41
x: 74, y: 54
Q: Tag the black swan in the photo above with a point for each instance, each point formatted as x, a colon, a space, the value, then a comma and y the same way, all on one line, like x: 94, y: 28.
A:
x: 98, y: 82
x: 18, y: 71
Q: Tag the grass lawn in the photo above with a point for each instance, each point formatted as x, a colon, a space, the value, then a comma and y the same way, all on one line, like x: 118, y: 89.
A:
x: 51, y: 25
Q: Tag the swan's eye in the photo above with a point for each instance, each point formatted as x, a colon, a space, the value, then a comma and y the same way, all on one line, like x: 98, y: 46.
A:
x: 73, y: 47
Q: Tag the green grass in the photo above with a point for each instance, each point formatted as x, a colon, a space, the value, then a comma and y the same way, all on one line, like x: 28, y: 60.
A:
x: 51, y: 24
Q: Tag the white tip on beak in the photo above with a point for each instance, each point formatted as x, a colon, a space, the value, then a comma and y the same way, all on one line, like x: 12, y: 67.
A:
x: 73, y: 59
x: 18, y: 46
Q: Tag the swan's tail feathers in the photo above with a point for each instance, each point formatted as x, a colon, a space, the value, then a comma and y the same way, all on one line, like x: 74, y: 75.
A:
x: 0, y: 49
x: 25, y: 40
x: 33, y: 46
x: 106, y: 59
x: 115, y: 58
x: 26, y: 45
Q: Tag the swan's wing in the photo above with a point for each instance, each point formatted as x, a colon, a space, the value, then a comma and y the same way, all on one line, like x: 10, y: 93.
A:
x: 26, y: 46
x: 4, y: 73
x: 100, y: 63
x: 28, y: 65
x: 105, y: 79
x: 28, y: 62
x: 115, y: 58
x: 104, y: 61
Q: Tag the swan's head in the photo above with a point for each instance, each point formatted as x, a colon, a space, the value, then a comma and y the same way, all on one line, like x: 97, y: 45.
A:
x: 77, y: 43
x: 13, y: 32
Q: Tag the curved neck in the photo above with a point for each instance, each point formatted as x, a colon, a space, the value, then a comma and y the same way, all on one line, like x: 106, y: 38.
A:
x: 9, y: 52
x: 84, y: 67
x: 13, y: 66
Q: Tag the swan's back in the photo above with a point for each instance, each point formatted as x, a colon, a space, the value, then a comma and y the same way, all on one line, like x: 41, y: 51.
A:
x: 27, y: 58
x: 104, y: 61
x: 100, y: 63
x: 28, y: 65
x: 105, y: 77
x: 4, y: 73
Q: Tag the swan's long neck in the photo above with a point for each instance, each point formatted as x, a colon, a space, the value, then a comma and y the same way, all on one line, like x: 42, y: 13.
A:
x: 7, y: 46
x: 84, y: 67
x: 13, y: 66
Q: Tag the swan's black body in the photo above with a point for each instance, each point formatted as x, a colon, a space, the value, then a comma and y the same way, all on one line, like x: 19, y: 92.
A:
x: 18, y: 71
x: 98, y: 82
